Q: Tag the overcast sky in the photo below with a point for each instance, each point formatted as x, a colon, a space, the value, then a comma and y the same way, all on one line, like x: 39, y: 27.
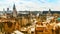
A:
x: 32, y: 5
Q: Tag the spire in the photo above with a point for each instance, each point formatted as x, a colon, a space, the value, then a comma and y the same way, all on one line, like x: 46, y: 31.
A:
x: 14, y: 7
x: 7, y: 9
x: 49, y: 11
x: 14, y: 11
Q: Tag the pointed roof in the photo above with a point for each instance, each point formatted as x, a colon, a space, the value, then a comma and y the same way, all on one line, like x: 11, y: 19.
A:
x: 14, y: 7
x: 49, y: 11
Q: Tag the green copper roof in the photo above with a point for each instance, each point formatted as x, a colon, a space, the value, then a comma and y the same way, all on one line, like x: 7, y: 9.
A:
x: 58, y: 18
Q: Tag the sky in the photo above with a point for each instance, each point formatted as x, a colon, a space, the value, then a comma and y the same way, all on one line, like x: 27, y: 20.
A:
x: 30, y: 5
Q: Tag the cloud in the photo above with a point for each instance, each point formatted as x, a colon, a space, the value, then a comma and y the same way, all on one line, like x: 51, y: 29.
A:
x: 31, y: 4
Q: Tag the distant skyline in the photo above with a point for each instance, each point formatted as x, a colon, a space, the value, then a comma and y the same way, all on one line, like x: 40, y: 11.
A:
x: 30, y: 5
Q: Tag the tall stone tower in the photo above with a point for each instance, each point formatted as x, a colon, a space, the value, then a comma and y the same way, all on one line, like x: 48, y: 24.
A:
x: 49, y: 13
x: 49, y: 16
x: 14, y: 11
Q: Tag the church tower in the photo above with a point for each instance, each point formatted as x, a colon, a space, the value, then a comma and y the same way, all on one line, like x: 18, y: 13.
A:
x: 14, y: 11
x: 48, y: 16
x: 49, y: 11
